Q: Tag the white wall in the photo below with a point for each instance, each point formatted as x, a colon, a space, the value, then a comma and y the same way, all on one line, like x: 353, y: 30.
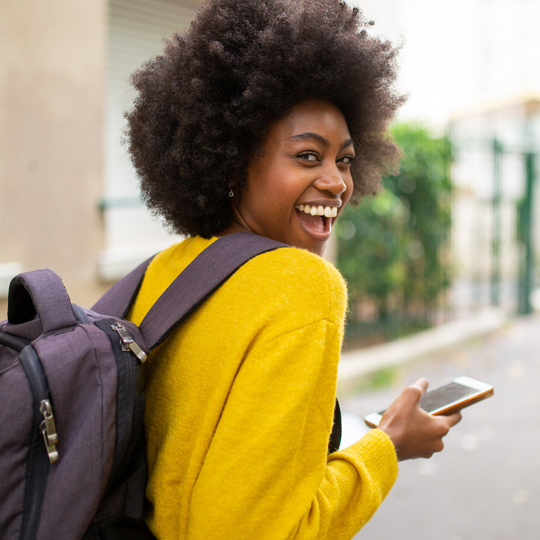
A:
x: 136, y: 33
x: 460, y: 55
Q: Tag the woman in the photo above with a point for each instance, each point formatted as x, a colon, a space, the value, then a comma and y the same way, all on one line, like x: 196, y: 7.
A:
x: 266, y: 116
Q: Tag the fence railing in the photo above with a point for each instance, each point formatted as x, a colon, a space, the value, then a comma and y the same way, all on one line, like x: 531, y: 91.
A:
x: 465, y: 241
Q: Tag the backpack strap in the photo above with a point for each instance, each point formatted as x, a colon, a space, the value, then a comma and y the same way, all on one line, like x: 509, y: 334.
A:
x: 118, y: 300
x: 199, y: 280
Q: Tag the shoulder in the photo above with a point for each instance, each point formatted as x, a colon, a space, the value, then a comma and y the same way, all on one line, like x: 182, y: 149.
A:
x: 299, y: 268
x: 162, y: 271
x: 287, y: 283
x: 295, y: 280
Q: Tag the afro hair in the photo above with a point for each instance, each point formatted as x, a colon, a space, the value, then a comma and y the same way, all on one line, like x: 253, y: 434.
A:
x: 205, y: 104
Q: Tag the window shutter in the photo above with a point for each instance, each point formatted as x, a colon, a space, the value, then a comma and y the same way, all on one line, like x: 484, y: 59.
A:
x: 136, y: 31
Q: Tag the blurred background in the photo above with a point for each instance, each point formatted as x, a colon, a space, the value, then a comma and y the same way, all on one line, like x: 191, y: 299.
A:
x: 442, y: 267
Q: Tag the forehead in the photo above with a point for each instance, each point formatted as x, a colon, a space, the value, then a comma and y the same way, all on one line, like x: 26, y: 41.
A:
x: 313, y: 116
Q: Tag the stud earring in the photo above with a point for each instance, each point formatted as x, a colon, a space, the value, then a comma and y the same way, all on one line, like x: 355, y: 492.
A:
x: 231, y: 193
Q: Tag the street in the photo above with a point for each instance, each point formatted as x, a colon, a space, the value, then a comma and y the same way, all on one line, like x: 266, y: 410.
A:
x: 485, y: 485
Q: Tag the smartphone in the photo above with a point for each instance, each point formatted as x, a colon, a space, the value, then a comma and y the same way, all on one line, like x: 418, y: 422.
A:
x: 448, y: 399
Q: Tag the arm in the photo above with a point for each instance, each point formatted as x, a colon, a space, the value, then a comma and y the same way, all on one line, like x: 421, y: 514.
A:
x: 267, y: 473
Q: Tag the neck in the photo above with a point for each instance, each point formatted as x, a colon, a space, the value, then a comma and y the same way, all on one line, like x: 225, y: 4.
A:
x: 238, y: 225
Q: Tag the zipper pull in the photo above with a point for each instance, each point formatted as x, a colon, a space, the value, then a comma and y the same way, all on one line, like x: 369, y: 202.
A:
x: 128, y: 344
x: 48, y: 430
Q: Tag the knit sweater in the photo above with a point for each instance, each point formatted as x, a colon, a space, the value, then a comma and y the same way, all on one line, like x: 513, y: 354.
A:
x: 240, y: 403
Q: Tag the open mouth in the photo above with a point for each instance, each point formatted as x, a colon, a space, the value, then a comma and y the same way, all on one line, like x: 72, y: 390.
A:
x: 315, y: 224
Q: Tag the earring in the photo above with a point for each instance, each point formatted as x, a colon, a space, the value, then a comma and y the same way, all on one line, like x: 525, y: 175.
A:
x: 231, y: 193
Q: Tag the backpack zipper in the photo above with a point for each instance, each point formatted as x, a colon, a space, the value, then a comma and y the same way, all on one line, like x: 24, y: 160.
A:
x: 131, y: 366
x: 48, y: 430
x: 38, y: 464
x: 127, y: 342
x: 38, y: 382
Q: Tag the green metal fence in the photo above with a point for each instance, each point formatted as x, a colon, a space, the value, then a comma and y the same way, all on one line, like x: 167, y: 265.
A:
x: 496, y: 181
x: 464, y: 248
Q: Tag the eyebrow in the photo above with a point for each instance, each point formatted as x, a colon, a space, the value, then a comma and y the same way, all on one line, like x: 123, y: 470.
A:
x: 319, y: 138
x: 348, y: 142
x: 310, y: 136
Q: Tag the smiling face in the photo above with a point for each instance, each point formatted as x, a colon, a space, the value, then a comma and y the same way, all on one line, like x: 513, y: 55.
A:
x: 301, y: 180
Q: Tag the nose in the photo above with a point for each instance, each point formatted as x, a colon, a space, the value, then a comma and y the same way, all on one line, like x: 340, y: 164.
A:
x: 331, y: 180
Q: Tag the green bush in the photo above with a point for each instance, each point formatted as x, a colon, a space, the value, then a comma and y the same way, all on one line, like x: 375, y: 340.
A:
x: 392, y: 249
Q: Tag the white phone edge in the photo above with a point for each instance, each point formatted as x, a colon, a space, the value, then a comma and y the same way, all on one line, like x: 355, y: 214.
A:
x: 373, y: 419
x: 473, y: 383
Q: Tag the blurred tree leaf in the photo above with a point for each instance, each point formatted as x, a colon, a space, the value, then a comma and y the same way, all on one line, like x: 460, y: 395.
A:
x: 392, y: 249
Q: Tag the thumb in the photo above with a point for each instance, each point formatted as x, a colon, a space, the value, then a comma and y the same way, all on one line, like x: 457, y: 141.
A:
x: 422, y: 385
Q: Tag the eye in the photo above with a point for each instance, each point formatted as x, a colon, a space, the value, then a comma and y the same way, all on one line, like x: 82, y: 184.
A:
x: 346, y: 160
x: 312, y: 157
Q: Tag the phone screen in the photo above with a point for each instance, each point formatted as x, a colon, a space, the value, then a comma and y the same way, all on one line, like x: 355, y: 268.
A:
x: 444, y: 395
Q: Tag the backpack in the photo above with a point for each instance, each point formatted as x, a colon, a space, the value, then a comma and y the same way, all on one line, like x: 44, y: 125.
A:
x: 72, y: 447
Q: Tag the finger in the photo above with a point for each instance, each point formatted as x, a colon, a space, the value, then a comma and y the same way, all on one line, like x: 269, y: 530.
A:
x: 421, y: 384
x: 453, y: 419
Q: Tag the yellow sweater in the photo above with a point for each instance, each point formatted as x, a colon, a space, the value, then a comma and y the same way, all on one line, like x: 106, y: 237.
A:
x: 240, y: 403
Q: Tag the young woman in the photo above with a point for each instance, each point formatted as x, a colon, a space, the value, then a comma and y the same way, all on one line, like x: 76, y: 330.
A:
x: 266, y: 116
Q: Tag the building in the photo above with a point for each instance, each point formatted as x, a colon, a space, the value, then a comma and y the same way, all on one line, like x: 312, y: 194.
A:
x: 460, y: 55
x: 68, y: 196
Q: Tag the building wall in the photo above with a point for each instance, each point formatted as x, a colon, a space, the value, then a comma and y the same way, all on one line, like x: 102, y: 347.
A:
x: 459, y: 55
x: 54, y: 82
x: 51, y: 134
x: 53, y: 90
x: 136, y: 33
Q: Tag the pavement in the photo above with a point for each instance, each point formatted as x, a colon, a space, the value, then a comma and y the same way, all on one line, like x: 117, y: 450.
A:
x: 356, y: 364
x: 485, y: 485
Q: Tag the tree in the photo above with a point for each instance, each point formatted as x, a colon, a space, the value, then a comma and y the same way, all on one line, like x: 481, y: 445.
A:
x: 392, y: 249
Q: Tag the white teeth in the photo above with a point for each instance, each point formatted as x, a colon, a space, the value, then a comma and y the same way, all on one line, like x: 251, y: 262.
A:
x: 326, y: 211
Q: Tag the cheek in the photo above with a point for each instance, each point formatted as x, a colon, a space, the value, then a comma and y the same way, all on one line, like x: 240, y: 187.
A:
x: 264, y: 199
x: 273, y: 189
x: 280, y: 191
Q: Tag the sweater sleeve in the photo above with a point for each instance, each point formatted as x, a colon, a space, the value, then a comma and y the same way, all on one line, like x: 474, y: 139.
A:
x: 266, y: 474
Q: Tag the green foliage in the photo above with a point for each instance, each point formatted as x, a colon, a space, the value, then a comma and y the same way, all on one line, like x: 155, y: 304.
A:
x: 376, y: 380
x: 391, y: 249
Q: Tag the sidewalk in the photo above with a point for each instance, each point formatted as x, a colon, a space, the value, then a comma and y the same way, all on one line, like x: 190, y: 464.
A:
x: 356, y: 364
x: 485, y: 484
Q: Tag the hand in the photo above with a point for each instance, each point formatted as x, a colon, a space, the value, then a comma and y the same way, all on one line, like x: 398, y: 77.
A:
x: 414, y: 432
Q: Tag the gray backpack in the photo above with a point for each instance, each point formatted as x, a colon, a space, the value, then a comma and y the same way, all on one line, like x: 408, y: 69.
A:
x: 72, y: 448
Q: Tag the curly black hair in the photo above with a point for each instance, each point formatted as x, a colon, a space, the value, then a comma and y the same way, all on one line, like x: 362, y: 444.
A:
x: 205, y: 104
